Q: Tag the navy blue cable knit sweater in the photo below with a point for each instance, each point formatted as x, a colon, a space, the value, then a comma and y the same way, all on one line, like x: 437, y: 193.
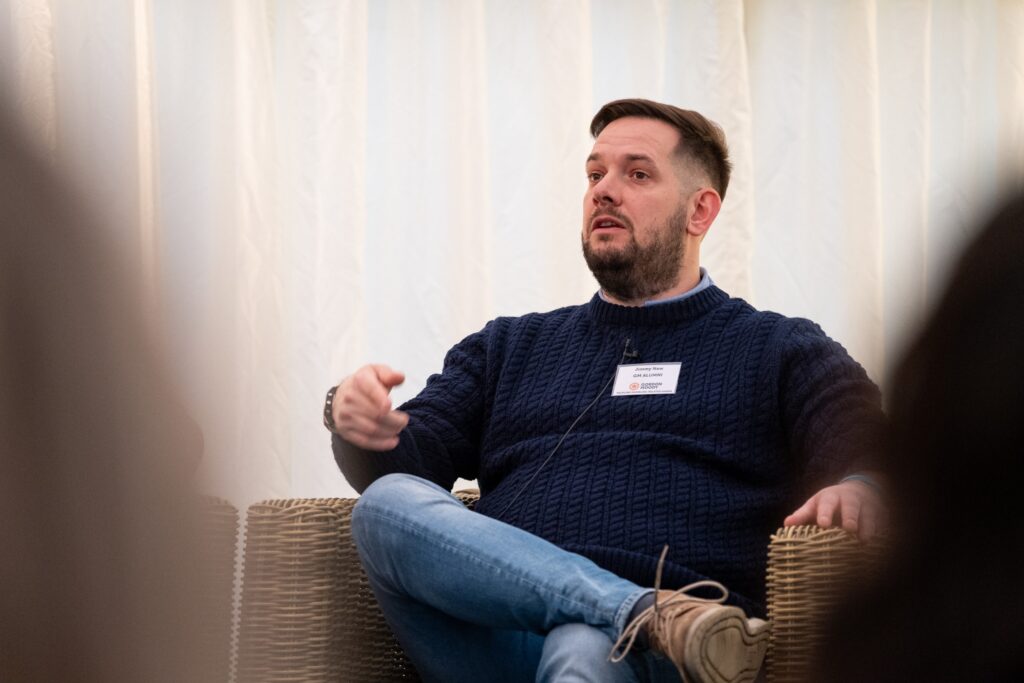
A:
x: 768, y: 410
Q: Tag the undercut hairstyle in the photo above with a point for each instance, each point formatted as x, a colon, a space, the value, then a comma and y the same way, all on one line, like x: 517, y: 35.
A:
x: 701, y: 140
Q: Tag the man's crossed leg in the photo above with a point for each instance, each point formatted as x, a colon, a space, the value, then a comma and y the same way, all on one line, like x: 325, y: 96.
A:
x: 471, y: 598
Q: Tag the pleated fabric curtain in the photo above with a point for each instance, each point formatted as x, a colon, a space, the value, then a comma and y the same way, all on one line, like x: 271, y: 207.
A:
x: 306, y: 186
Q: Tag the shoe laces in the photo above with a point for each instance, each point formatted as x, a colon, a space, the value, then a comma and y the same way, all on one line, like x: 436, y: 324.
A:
x: 656, y: 616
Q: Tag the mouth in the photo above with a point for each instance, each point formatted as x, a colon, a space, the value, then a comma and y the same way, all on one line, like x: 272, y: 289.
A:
x: 604, y: 225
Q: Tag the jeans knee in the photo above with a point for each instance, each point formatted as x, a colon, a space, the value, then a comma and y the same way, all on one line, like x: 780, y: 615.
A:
x: 579, y: 652
x: 397, y: 494
x: 378, y: 495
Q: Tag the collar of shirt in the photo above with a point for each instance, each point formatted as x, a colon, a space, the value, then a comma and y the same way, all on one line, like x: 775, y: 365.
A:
x: 705, y: 282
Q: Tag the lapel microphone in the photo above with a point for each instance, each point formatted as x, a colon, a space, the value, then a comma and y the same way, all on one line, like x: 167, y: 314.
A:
x: 628, y: 352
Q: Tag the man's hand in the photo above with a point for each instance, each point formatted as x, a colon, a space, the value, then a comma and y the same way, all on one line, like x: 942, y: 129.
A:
x: 362, y: 408
x: 855, y: 504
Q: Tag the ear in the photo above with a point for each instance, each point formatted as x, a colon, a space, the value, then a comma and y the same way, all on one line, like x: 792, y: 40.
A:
x: 704, y: 207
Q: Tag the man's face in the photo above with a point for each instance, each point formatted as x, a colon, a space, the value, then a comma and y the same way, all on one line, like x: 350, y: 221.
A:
x: 634, y: 211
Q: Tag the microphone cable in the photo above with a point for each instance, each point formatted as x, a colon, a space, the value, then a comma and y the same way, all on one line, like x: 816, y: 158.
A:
x: 626, y: 353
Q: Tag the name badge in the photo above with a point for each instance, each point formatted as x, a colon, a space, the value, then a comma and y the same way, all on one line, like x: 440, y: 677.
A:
x: 654, y: 378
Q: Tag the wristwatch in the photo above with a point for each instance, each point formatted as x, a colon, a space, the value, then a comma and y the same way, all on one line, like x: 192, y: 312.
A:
x: 329, y: 411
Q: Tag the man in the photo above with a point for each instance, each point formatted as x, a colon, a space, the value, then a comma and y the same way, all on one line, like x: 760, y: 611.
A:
x: 660, y: 413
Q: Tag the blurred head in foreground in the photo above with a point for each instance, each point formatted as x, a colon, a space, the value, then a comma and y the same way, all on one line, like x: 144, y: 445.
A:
x: 97, y: 554
x: 951, y: 604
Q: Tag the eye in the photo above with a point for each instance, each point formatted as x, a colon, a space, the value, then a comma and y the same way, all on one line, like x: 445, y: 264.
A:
x: 640, y: 175
x: 594, y: 176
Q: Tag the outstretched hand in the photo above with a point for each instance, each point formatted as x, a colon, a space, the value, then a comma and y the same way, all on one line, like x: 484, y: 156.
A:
x: 854, y: 505
x: 362, y: 410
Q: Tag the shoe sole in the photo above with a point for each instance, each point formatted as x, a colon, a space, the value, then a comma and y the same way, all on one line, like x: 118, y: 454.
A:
x: 725, y: 647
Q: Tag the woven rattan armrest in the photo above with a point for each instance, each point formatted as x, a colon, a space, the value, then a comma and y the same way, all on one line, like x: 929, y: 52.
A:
x: 809, y: 572
x: 308, y: 613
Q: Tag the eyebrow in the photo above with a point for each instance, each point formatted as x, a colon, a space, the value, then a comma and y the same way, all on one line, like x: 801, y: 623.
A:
x: 629, y: 157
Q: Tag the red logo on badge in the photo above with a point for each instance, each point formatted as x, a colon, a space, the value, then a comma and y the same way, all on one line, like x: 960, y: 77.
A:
x: 634, y: 386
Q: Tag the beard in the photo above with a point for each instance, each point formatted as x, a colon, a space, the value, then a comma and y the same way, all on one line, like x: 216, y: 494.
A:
x: 635, y: 272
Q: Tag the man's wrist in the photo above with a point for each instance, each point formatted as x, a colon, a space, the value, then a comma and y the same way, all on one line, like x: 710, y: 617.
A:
x: 865, y: 479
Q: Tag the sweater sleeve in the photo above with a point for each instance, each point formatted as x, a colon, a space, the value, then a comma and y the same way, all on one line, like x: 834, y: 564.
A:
x: 441, y: 442
x: 831, y: 410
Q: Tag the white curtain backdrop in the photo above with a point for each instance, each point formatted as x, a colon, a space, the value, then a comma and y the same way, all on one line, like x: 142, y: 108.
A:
x: 310, y: 185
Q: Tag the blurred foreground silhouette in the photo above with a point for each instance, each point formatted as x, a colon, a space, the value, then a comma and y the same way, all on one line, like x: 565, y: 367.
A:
x: 99, y: 562
x: 951, y: 605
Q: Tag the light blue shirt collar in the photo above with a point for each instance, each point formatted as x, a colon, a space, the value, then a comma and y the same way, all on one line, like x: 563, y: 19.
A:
x: 705, y: 282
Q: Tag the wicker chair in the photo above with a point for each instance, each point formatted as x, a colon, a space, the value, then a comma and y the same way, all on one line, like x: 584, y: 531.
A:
x: 308, y: 613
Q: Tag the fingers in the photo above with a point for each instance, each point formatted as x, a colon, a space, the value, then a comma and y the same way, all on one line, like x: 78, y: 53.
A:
x: 388, y: 377
x: 368, y: 394
x: 871, y: 511
x: 828, y: 504
x: 819, y: 509
x: 855, y: 506
x: 373, y: 434
x: 805, y: 514
x: 862, y: 509
x: 362, y: 408
x: 379, y: 439
x: 387, y: 426
x: 850, y: 513
x: 366, y: 391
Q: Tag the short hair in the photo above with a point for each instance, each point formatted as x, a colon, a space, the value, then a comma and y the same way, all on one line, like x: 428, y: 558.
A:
x: 700, y: 139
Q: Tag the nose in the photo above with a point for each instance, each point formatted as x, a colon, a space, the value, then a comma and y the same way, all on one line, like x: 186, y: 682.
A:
x: 606, y: 191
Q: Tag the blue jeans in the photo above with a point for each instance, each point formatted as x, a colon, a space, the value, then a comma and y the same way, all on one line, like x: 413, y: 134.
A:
x: 471, y: 598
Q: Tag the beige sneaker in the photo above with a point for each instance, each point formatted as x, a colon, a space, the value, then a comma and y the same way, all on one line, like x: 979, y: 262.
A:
x: 707, y: 641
